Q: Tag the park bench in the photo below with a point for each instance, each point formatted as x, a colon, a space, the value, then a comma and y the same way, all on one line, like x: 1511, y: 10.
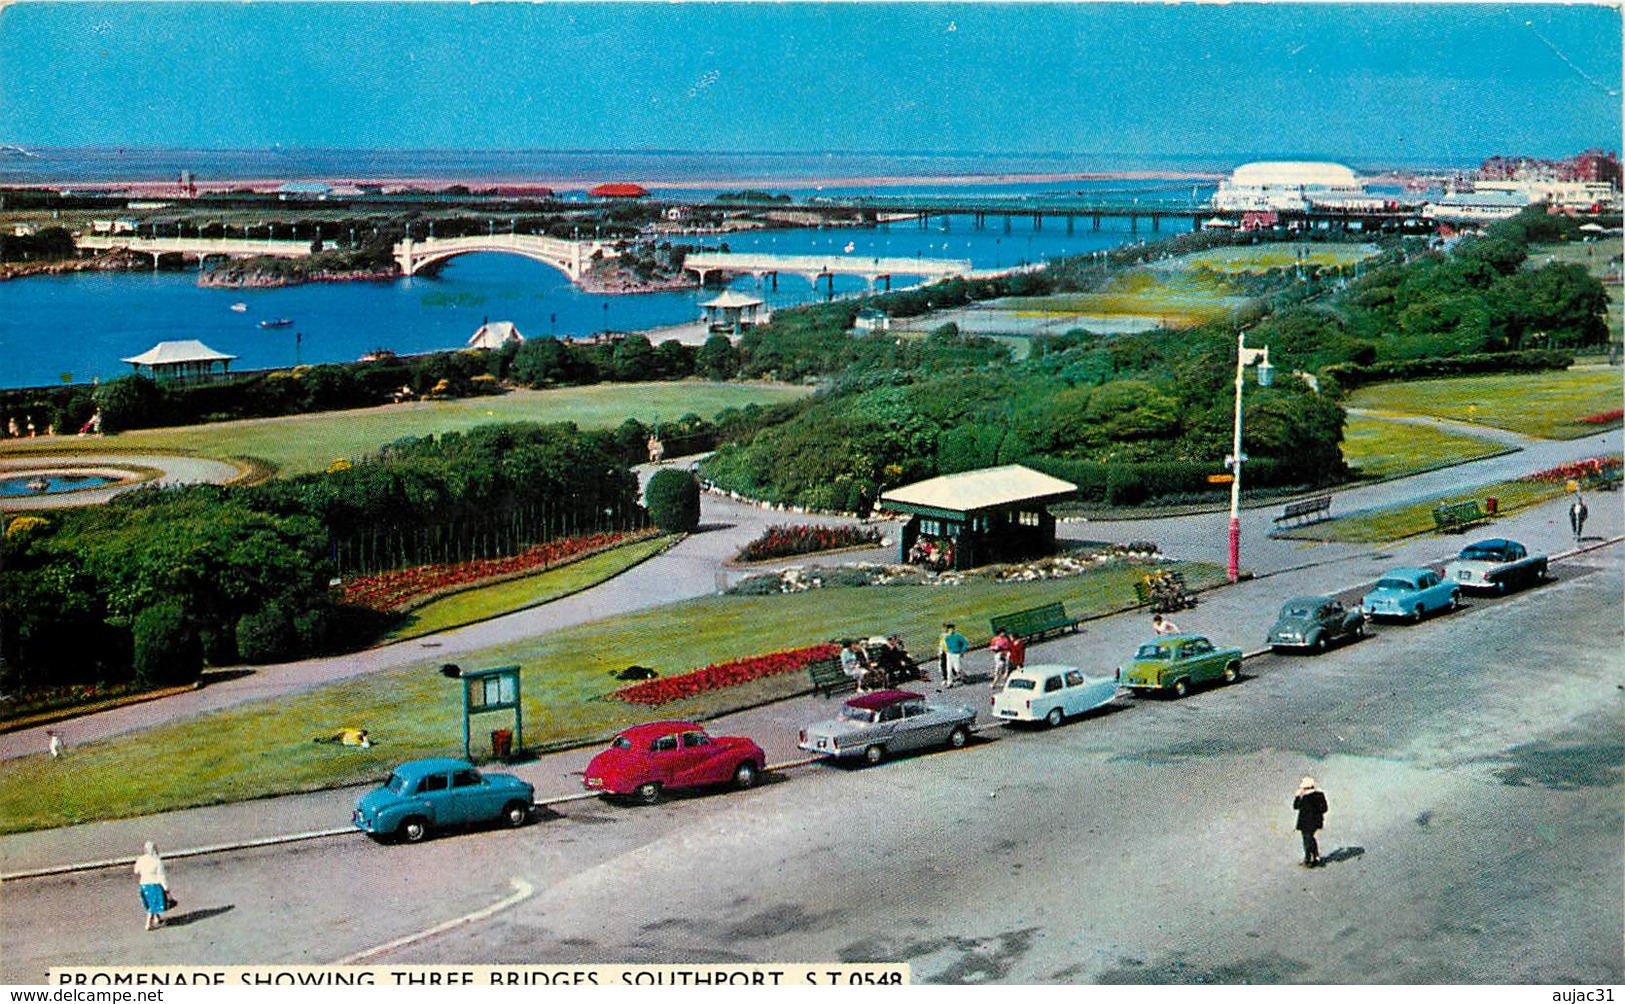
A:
x: 1035, y: 622
x: 1453, y: 516
x: 1307, y: 510
x: 829, y: 678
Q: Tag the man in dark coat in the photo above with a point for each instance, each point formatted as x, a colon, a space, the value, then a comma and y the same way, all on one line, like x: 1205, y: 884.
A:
x: 1311, y: 805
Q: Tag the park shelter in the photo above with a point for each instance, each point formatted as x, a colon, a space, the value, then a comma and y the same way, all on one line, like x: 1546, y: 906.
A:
x: 978, y: 517
x: 732, y: 310
x: 188, y: 361
x: 494, y: 335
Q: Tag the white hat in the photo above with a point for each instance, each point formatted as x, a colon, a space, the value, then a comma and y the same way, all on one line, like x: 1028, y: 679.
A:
x: 1306, y: 784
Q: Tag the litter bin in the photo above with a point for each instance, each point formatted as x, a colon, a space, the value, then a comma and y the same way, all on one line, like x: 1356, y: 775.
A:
x: 502, y: 743
x: 1492, y: 505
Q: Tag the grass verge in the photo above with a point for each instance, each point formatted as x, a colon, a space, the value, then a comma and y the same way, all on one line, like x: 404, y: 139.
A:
x: 1385, y: 448
x: 265, y: 747
x: 1373, y: 526
x: 471, y: 606
x: 1546, y: 405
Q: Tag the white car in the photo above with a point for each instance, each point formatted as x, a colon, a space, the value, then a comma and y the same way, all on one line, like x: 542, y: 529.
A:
x: 1051, y: 693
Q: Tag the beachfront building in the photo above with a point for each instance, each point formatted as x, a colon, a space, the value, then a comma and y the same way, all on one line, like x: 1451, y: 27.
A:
x: 733, y: 310
x: 188, y: 361
x: 1292, y: 185
x: 1476, y: 206
x: 494, y: 335
x: 977, y: 517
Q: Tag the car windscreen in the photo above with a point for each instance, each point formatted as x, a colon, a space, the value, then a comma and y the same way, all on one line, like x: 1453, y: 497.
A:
x: 1152, y: 652
x: 864, y: 716
x: 621, y: 743
x: 1019, y: 684
x: 1480, y: 554
x: 1400, y: 584
x: 396, y: 783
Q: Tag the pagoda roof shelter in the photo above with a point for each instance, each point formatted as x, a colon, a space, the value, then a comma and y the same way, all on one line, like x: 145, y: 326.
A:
x: 187, y: 361
x: 732, y: 310
x: 978, y: 517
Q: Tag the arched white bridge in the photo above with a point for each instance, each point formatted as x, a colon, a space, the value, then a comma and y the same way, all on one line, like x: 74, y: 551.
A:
x: 570, y: 257
x: 816, y: 267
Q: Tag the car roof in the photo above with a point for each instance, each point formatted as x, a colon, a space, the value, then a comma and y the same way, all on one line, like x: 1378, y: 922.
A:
x: 430, y: 765
x: 875, y: 700
x: 1405, y: 573
x: 1493, y: 543
x: 654, y: 730
x: 1174, y: 638
x: 1043, y: 669
x: 1307, y: 601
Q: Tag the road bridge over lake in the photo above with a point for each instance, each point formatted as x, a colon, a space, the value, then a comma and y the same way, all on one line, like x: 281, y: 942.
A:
x: 573, y: 258
x: 816, y: 267
x: 195, y: 247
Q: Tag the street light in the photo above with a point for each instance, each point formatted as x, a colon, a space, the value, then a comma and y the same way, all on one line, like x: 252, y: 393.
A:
x: 1266, y: 376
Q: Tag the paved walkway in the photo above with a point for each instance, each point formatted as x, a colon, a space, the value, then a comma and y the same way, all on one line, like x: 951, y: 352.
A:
x: 694, y: 568
x: 172, y: 470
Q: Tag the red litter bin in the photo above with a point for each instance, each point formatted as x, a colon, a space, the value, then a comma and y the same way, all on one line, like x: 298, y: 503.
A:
x: 502, y: 743
x: 1492, y: 505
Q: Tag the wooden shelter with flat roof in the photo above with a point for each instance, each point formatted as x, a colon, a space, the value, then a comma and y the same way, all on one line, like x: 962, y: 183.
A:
x: 188, y: 361
x: 978, y: 517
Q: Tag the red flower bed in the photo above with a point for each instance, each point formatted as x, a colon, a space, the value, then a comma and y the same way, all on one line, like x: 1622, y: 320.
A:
x: 784, y: 541
x: 1604, y: 417
x: 393, y: 590
x: 1596, y: 468
x: 725, y: 674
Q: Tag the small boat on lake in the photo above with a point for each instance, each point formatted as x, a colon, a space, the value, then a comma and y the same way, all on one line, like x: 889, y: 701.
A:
x: 281, y: 322
x: 241, y: 308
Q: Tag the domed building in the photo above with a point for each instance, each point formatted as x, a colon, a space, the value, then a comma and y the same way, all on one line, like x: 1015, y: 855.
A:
x: 1271, y: 185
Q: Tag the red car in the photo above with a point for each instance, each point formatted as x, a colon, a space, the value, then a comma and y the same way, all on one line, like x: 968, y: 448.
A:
x: 645, y: 760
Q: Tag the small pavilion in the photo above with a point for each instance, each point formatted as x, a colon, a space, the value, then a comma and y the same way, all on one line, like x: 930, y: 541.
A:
x: 732, y: 311
x: 494, y: 335
x: 977, y: 517
x: 188, y: 361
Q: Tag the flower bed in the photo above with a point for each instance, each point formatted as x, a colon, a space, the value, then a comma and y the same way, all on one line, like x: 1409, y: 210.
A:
x: 725, y: 674
x: 1591, y: 470
x: 785, y: 541
x: 1603, y: 417
x: 398, y: 590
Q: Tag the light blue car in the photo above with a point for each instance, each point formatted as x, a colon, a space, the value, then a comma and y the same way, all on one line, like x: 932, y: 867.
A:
x: 438, y: 793
x: 1410, y: 594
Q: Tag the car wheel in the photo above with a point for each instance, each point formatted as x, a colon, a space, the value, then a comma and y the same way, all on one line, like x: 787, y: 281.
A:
x: 1500, y: 587
x: 1359, y: 630
x: 648, y: 793
x: 1317, y: 646
x: 874, y: 754
x: 958, y: 737
x: 516, y: 814
x: 1182, y: 687
x: 746, y: 775
x: 1455, y: 601
x: 1055, y: 717
x: 413, y: 829
x: 1232, y: 671
x: 1416, y: 614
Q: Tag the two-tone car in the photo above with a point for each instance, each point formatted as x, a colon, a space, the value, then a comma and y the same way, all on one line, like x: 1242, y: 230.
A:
x: 1175, y: 663
x: 884, y: 723
x: 647, y: 760
x: 441, y: 793
x: 1051, y: 694
x: 1410, y: 594
x: 1312, y: 623
x: 1496, y: 565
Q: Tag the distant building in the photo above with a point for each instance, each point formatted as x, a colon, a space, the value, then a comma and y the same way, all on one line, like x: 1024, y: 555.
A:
x: 1583, y: 196
x: 733, y: 310
x: 1292, y: 185
x: 619, y: 190
x: 303, y: 190
x: 977, y: 517
x: 869, y: 319
x: 1462, y: 207
x: 494, y: 335
x: 188, y: 361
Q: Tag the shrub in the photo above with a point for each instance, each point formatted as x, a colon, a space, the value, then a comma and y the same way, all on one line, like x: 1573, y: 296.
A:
x: 784, y: 541
x: 266, y: 634
x: 673, y: 501
x: 167, y: 647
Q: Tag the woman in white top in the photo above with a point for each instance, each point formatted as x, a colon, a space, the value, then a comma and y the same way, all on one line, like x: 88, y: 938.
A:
x: 149, y: 871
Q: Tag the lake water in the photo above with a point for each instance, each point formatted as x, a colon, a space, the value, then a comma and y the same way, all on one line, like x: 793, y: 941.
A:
x: 78, y: 327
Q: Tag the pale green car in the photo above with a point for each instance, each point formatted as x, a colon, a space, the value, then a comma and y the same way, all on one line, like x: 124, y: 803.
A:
x: 1176, y: 663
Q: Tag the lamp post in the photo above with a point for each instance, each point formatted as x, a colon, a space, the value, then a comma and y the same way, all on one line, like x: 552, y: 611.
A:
x: 1266, y: 375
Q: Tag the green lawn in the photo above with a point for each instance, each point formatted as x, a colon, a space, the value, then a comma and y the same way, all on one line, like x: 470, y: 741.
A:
x: 265, y: 747
x: 1173, y: 298
x: 472, y: 605
x: 1383, y: 448
x: 300, y: 444
x: 1545, y: 405
x: 1263, y: 257
x: 1416, y: 517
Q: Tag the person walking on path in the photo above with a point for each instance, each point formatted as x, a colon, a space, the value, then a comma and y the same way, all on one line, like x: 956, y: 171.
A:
x: 1577, y: 516
x: 951, y: 646
x: 1000, y: 646
x: 149, y: 872
x: 55, y: 743
x: 1161, y: 625
x: 1310, y: 803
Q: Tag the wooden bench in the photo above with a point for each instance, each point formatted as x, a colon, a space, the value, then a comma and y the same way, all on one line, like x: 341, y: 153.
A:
x: 1036, y: 622
x: 1455, y: 516
x: 1307, y: 510
x: 829, y: 678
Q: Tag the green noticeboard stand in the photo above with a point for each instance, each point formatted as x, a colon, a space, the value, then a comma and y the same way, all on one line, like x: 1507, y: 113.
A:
x: 486, y: 690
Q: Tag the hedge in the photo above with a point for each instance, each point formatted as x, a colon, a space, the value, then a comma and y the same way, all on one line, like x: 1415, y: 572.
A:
x: 1347, y: 376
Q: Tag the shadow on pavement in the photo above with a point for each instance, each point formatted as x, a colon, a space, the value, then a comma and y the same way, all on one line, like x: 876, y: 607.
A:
x: 1342, y: 854
x: 193, y: 916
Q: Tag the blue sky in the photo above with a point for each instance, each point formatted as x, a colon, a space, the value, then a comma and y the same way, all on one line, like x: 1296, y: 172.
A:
x: 1370, y: 83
